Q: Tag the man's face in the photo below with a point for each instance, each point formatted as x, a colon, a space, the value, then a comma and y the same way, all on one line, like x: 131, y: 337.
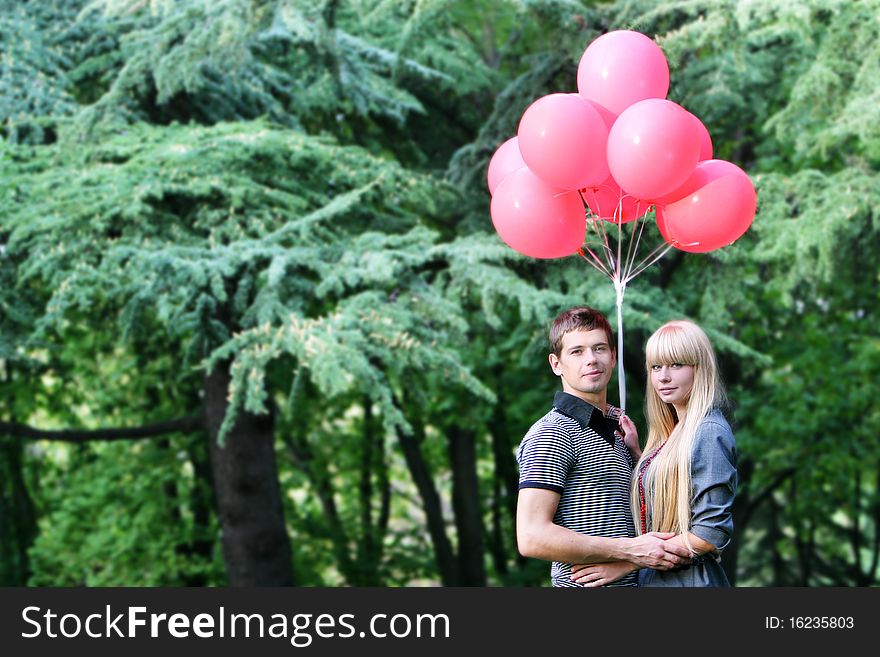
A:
x: 586, y: 362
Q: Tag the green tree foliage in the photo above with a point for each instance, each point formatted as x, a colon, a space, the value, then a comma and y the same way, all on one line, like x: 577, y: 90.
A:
x: 293, y: 193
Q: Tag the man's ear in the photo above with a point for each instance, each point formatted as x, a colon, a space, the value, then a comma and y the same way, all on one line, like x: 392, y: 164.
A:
x: 554, y: 364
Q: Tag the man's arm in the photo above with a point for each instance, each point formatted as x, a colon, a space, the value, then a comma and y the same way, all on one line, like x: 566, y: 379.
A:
x: 539, y: 537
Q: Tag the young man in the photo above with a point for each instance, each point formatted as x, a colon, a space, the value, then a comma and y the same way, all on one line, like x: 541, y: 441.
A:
x: 575, y: 470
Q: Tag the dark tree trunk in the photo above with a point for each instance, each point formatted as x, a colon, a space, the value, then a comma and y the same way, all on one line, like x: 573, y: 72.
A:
x: 774, y: 535
x: 373, y: 530
x: 17, y: 516
x: 256, y: 546
x: 505, y: 490
x: 316, y: 470
x: 741, y: 512
x: 202, y: 502
x: 466, y: 504
x: 412, y: 453
x: 369, y: 548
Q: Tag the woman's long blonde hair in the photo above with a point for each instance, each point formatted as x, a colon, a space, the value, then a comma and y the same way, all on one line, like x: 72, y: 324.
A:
x: 667, y: 481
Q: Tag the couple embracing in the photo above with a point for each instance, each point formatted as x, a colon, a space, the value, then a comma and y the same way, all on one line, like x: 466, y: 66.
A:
x: 604, y: 512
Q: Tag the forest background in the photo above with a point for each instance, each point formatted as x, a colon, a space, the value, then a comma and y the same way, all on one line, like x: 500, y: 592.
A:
x: 256, y: 326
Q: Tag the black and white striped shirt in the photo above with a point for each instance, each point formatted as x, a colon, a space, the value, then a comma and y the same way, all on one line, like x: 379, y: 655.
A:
x: 574, y: 451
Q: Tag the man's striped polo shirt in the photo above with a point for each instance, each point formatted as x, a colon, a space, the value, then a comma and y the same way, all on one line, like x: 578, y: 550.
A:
x: 574, y: 451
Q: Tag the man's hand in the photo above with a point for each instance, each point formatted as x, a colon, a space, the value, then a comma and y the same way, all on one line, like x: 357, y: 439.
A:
x: 630, y: 436
x: 654, y: 550
x: 600, y: 574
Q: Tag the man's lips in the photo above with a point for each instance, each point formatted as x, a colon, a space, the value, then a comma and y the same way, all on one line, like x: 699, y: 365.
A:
x: 594, y: 373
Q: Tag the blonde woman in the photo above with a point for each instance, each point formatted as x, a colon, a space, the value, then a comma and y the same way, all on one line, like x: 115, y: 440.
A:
x: 685, y: 480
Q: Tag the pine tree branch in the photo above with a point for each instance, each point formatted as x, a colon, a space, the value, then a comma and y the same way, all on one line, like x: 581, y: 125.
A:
x: 182, y: 424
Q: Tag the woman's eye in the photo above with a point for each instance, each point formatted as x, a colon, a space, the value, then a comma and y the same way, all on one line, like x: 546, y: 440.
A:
x: 676, y: 365
x: 655, y: 368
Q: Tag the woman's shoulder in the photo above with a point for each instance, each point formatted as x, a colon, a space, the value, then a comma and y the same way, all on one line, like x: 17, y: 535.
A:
x: 715, y: 429
x: 715, y: 420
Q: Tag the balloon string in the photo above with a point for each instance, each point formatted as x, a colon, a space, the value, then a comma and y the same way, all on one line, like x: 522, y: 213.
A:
x: 620, y: 288
x: 599, y: 228
x: 598, y: 264
x: 642, y: 266
x: 635, y: 241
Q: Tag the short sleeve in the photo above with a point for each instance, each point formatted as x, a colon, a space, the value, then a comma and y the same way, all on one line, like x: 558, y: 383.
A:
x: 713, y: 479
x: 545, y: 457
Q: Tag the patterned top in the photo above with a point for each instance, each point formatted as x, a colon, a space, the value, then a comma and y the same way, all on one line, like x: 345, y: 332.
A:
x: 574, y: 451
x: 713, y: 488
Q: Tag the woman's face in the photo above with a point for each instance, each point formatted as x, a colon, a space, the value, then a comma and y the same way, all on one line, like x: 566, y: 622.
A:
x: 673, y: 382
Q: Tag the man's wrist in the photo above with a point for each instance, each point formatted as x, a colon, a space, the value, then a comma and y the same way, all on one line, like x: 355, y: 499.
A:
x: 623, y: 550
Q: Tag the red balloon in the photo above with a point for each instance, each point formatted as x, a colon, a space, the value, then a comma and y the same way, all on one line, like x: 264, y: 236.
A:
x: 653, y: 148
x: 621, y: 68
x: 563, y: 139
x: 718, y: 209
x: 705, y: 140
x: 704, y: 173
x: 536, y: 219
x: 608, y: 202
x: 506, y: 160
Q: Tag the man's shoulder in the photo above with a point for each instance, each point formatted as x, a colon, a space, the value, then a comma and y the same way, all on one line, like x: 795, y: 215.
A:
x: 552, y: 423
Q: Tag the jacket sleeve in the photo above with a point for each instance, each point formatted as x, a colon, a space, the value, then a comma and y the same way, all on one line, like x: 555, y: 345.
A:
x: 713, y: 481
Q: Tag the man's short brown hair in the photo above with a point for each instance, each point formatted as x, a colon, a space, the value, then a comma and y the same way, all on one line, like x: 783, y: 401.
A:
x: 580, y: 318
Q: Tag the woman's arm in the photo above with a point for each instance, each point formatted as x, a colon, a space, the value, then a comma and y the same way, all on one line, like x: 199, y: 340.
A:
x: 713, y: 480
x: 698, y: 545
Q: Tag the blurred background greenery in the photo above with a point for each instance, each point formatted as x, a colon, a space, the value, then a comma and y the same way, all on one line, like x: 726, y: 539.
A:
x: 256, y: 326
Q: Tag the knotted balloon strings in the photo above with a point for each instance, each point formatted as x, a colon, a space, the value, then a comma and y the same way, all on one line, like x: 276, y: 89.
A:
x: 620, y: 270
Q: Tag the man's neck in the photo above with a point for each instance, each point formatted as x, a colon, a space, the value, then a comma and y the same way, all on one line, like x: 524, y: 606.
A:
x: 597, y: 399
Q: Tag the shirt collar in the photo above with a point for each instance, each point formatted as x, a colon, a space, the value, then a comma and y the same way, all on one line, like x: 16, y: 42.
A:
x: 587, y: 415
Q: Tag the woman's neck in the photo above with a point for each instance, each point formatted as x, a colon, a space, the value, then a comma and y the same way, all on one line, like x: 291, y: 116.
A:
x: 680, y: 411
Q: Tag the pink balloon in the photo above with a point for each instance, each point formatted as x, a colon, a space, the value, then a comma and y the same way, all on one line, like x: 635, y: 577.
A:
x: 621, y: 68
x: 563, y: 139
x: 705, y: 140
x: 653, y: 148
x: 506, y: 160
x: 536, y: 219
x: 704, y: 173
x: 717, y: 213
x: 608, y: 202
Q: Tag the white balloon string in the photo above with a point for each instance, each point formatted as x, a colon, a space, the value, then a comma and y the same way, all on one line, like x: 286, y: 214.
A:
x: 620, y: 288
x: 595, y: 262
x: 631, y: 244
x: 642, y: 266
x: 599, y: 228
x: 635, y: 240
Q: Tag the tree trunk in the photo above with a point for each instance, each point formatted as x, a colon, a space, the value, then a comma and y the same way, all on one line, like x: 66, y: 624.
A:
x: 505, y: 490
x: 256, y: 546
x: 466, y: 504
x: 446, y: 562
x: 18, y: 516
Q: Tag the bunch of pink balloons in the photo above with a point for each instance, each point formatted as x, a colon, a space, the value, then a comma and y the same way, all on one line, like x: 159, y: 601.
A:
x: 618, y: 147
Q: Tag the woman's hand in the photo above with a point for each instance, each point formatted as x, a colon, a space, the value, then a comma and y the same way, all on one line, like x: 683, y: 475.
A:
x: 600, y: 574
x: 630, y: 436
